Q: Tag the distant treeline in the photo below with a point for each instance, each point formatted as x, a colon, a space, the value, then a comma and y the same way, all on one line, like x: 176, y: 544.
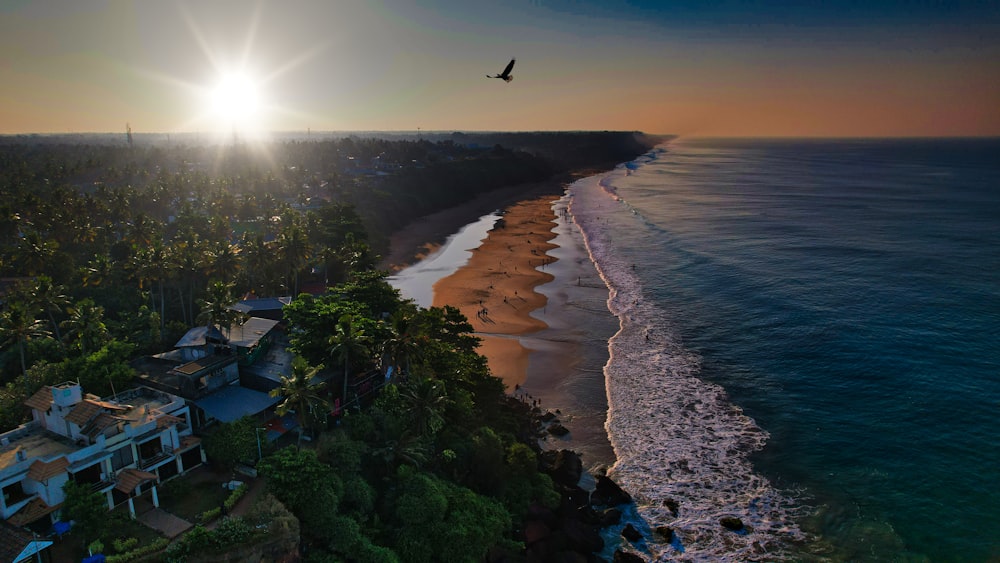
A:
x: 389, y: 182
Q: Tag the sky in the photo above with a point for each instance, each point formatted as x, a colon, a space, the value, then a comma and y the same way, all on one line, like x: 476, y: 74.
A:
x: 839, y: 68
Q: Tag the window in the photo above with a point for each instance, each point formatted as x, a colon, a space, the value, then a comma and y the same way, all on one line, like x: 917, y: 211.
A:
x: 150, y: 449
x: 13, y: 494
x: 122, y: 457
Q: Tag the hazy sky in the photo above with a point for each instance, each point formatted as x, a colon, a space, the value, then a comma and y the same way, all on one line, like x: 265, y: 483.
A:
x: 723, y: 67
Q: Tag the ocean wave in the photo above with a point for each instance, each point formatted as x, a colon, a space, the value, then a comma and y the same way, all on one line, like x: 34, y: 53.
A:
x: 680, y: 444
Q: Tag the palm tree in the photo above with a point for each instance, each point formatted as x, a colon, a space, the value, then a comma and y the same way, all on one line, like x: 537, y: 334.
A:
x: 348, y: 339
x: 215, y: 309
x: 34, y: 253
x: 223, y: 261
x: 85, y: 326
x: 294, y: 250
x: 257, y: 261
x: 424, y: 399
x: 18, y: 325
x: 403, y: 344
x: 158, y: 257
x: 302, y: 393
x: 50, y: 298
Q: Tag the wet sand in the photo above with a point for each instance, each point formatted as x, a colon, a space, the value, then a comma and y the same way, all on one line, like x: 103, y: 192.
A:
x: 535, y: 299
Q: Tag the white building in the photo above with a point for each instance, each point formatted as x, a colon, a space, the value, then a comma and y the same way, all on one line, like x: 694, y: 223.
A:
x: 121, y: 447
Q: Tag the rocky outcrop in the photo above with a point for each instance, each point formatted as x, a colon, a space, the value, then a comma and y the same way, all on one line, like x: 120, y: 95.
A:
x: 732, y: 523
x: 557, y: 429
x: 631, y: 534
x: 608, y: 493
x: 665, y: 532
x: 564, y: 466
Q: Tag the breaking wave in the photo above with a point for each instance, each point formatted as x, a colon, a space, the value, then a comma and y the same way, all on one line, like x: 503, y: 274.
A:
x: 682, y: 447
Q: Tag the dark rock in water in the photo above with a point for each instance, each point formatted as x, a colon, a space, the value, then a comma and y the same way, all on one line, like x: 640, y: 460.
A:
x: 608, y: 493
x: 631, y: 534
x: 731, y: 523
x: 610, y: 517
x: 564, y: 466
x: 557, y: 429
x: 548, y: 416
x: 626, y: 557
x: 664, y: 532
x: 672, y: 505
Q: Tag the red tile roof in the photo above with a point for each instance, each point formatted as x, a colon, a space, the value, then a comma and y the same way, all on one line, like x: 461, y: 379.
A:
x: 83, y: 412
x: 42, y: 471
x: 41, y: 400
x: 31, y: 512
x: 100, y: 423
x: 129, y: 479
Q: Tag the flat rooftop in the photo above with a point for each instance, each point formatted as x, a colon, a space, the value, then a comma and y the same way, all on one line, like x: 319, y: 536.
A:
x: 36, y: 443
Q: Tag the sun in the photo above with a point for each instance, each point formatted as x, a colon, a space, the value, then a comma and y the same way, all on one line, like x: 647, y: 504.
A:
x: 235, y: 102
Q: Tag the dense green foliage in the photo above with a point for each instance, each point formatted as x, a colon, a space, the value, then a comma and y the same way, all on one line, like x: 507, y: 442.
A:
x: 438, y: 467
x: 105, y: 241
x: 234, y: 442
x: 87, y: 509
x: 111, y: 251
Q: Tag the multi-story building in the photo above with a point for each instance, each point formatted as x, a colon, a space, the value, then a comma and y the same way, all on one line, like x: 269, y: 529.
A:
x: 121, y: 447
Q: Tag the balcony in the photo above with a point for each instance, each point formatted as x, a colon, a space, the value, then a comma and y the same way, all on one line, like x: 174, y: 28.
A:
x: 157, y: 459
x: 101, y: 486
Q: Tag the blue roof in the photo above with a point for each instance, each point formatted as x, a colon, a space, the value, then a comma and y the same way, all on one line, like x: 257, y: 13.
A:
x: 233, y: 402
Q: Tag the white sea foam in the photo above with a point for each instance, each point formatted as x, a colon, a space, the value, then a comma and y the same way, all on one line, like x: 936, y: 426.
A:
x: 676, y: 438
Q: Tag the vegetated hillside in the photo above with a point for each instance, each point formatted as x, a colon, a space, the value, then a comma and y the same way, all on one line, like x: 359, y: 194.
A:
x: 136, y: 234
x: 112, y: 251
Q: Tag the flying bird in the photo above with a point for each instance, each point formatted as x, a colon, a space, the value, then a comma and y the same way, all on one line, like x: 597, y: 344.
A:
x: 505, y: 75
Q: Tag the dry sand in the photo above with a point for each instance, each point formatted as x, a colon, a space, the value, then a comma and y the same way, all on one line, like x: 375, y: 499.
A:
x: 495, y: 290
x: 558, y: 362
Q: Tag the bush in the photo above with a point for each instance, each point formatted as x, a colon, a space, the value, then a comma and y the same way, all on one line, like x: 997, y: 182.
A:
x: 139, y: 552
x: 235, y: 496
x: 209, y: 515
x: 122, y: 545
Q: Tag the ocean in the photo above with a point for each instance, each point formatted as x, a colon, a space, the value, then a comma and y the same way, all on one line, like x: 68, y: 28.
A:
x: 808, y: 340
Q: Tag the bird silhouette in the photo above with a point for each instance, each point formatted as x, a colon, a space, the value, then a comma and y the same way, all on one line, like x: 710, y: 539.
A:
x: 505, y: 75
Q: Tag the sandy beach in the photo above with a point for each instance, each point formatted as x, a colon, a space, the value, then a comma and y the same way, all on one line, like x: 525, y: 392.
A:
x: 495, y: 290
x: 535, y: 299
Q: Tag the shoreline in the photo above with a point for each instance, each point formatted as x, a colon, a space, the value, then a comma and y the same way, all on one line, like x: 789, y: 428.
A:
x: 546, y: 326
x: 554, y: 354
x: 424, y: 235
x: 495, y: 289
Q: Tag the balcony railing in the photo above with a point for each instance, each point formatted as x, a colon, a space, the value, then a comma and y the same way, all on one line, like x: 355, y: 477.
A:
x: 101, y: 486
x: 159, y: 457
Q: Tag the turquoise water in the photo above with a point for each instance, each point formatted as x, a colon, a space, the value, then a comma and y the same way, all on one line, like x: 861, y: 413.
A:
x: 809, y: 342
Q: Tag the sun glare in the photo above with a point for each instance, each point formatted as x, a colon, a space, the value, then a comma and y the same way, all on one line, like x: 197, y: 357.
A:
x: 235, y: 103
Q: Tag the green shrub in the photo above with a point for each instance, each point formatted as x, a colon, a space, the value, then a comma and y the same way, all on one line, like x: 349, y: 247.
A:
x: 209, y: 515
x: 122, y: 545
x: 138, y: 552
x: 235, y: 496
